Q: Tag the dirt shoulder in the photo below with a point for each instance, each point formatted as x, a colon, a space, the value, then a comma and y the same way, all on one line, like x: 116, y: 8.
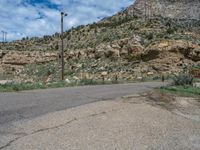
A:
x: 185, y: 106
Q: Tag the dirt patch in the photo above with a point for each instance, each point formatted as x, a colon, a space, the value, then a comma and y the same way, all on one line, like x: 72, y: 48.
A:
x: 188, y: 107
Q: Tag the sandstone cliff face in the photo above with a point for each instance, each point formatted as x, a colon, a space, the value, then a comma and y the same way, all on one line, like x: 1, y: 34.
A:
x: 181, y: 9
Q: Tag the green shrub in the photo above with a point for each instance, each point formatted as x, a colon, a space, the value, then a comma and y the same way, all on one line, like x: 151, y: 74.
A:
x: 6, y: 76
x: 149, y: 36
x: 87, y: 82
x: 9, y: 87
x: 171, y: 30
x: 182, y: 80
x: 132, y: 58
x: 156, y: 78
x: 69, y: 72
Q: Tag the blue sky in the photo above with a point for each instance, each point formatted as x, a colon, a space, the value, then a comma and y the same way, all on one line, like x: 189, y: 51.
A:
x: 21, y: 18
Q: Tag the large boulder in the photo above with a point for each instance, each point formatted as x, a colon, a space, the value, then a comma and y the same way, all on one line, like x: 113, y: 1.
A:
x: 2, y: 53
x: 134, y: 49
x: 195, y: 54
x: 112, y: 53
x: 107, y: 51
x: 99, y: 54
x: 123, y: 42
x: 128, y: 46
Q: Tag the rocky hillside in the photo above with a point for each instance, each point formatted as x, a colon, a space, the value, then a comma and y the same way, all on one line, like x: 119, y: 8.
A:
x: 180, y: 9
x: 127, y: 45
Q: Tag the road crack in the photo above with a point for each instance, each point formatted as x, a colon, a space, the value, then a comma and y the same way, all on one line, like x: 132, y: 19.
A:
x: 17, y: 133
x: 34, y: 132
x: 55, y: 127
x: 9, y: 143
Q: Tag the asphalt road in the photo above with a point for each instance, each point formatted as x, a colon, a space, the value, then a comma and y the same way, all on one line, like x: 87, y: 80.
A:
x: 30, y: 104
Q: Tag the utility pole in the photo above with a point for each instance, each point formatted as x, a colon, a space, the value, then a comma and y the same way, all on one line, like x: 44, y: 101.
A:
x: 4, y: 36
x: 5, y: 40
x: 145, y: 9
x: 62, y: 46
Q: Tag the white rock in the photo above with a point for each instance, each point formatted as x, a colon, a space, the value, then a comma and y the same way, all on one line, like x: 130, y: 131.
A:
x: 29, y: 81
x: 101, y: 68
x: 75, y: 78
x: 139, y: 78
x: 3, y: 82
x: 67, y: 80
x: 197, y: 84
x: 150, y: 73
x: 104, y: 73
x: 79, y: 65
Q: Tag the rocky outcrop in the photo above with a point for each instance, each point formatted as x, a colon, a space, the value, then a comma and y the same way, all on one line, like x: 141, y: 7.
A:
x: 170, y: 56
x: 14, y: 61
x: 179, y: 47
x: 160, y: 56
x: 181, y: 9
x: 120, y: 48
x: 26, y: 57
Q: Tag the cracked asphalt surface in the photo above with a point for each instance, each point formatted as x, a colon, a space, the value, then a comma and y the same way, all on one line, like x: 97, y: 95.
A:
x: 114, y: 117
x: 118, y: 124
x: 30, y: 104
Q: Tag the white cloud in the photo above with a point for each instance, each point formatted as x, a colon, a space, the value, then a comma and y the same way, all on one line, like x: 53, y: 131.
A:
x: 57, y: 2
x: 21, y: 18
